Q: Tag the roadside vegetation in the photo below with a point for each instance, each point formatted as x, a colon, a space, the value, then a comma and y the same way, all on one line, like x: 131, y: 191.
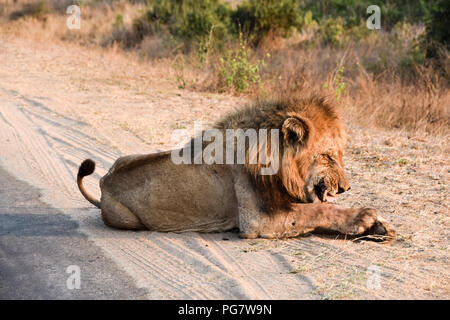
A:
x: 395, y: 77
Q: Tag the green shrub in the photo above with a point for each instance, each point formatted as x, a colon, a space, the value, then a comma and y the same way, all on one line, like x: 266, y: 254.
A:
x: 437, y: 29
x: 354, y: 11
x: 338, y: 84
x: 35, y: 9
x: 410, y: 60
x: 118, y: 21
x: 189, y: 20
x: 332, y: 31
x: 236, y: 71
x: 406, y: 42
x: 258, y: 18
x: 350, y: 11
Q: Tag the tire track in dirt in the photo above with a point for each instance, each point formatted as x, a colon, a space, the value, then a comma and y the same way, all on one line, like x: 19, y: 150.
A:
x: 233, y: 266
x: 47, y: 149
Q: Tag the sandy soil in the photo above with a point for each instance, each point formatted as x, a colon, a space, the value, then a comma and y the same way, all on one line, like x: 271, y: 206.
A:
x: 60, y: 104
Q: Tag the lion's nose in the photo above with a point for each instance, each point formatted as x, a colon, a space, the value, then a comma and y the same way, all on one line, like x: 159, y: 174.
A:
x: 341, y: 190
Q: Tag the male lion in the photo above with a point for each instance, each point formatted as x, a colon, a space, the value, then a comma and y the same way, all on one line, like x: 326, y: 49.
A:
x: 152, y: 192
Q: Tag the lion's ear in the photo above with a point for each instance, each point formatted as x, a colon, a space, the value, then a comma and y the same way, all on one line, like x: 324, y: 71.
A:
x: 295, y: 131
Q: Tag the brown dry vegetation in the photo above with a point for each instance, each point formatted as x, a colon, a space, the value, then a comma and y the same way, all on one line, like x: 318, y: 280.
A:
x: 366, y: 77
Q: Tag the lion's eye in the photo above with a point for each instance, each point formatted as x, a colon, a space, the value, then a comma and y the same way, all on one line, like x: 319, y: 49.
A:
x: 330, y: 158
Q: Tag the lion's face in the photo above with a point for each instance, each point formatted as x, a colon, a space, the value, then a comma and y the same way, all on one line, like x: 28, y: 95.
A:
x: 326, y: 178
x: 312, y: 167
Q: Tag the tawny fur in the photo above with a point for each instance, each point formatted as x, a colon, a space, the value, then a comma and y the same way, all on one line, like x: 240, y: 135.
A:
x: 151, y: 192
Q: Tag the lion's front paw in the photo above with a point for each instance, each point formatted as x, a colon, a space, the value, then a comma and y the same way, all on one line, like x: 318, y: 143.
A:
x: 248, y: 235
x: 366, y: 222
x: 380, y: 231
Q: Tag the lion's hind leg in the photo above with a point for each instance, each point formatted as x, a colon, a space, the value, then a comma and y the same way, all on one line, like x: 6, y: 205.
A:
x: 116, y: 215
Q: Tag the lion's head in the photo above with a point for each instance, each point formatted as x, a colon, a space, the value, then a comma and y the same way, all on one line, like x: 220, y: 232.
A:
x: 312, y: 141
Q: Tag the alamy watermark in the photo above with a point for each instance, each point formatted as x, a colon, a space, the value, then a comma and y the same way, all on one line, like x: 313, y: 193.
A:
x: 74, y: 19
x: 74, y: 280
x: 374, y: 21
x: 259, y: 150
x: 373, y: 277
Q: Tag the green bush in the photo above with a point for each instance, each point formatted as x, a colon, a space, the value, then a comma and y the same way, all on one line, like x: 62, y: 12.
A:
x: 338, y: 84
x: 236, y: 71
x: 258, y: 18
x: 350, y: 11
x: 354, y: 11
x: 195, y: 20
x: 437, y: 29
x: 189, y: 20
x: 118, y: 21
x: 35, y: 9
x: 332, y: 31
x: 406, y: 44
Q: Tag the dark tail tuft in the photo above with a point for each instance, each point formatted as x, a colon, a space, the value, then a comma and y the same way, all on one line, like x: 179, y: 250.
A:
x: 86, y: 168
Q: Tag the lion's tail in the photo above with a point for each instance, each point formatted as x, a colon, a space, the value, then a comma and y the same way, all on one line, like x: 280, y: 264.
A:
x: 86, y: 168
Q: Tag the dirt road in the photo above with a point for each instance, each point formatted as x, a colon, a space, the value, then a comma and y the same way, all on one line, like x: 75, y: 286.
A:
x: 60, y: 104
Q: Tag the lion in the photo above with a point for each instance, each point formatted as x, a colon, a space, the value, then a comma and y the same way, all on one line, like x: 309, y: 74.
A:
x: 152, y: 192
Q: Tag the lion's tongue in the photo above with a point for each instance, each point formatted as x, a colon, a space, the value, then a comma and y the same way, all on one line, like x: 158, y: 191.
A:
x: 330, y: 198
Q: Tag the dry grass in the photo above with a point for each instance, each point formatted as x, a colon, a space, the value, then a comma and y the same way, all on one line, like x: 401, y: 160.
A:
x: 375, y: 89
x: 417, y: 100
x: 97, y: 21
x: 424, y: 107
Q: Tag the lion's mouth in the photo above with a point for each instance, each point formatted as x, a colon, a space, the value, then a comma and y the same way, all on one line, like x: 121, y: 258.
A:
x: 322, y: 193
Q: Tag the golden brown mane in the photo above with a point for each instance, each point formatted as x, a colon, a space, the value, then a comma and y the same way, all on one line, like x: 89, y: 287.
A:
x: 286, y: 187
